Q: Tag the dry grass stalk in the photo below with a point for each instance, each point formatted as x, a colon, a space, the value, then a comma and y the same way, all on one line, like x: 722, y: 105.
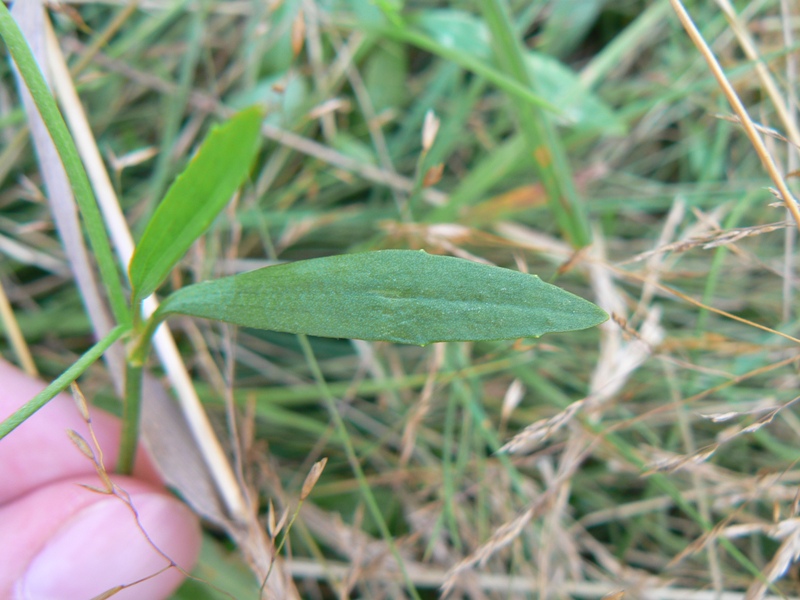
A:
x: 739, y: 109
x: 787, y: 554
x: 501, y: 538
x: 535, y: 434
x: 673, y: 463
x: 95, y: 454
x: 721, y: 238
x: 14, y: 334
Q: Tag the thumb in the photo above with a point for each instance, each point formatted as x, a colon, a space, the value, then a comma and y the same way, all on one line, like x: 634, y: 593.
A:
x: 80, y: 543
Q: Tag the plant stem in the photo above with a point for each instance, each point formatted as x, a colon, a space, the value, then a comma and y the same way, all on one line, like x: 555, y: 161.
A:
x: 132, y: 408
x: 63, y: 381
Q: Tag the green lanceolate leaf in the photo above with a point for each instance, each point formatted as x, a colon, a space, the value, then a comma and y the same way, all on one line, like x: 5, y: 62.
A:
x: 392, y: 295
x: 195, y: 199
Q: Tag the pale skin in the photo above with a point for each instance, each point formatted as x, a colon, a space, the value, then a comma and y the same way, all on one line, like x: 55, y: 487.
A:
x: 61, y: 540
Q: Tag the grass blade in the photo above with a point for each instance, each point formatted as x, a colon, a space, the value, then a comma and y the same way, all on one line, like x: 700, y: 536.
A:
x: 63, y: 381
x: 550, y: 159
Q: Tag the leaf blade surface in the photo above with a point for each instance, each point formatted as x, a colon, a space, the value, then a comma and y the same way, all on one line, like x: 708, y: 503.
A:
x: 194, y: 200
x: 400, y: 296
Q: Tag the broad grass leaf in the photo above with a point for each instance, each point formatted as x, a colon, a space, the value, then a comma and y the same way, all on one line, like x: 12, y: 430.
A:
x: 392, y: 295
x: 195, y: 199
x: 386, y: 76
x: 581, y: 108
x: 457, y: 29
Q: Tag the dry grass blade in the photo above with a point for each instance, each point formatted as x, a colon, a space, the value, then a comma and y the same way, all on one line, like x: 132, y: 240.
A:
x: 33, y: 22
x: 739, y: 109
x: 787, y: 554
x: 535, y: 434
x: 720, y: 238
x: 14, y: 334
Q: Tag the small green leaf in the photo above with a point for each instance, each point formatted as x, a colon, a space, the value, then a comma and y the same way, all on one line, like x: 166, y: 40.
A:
x: 393, y: 295
x: 195, y: 199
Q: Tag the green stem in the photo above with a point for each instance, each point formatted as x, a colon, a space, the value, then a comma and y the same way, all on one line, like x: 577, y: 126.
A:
x: 144, y: 338
x: 63, y: 381
x: 65, y: 146
x: 132, y: 408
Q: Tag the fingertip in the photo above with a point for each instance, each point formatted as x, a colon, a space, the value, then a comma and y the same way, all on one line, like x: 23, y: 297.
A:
x: 103, y: 545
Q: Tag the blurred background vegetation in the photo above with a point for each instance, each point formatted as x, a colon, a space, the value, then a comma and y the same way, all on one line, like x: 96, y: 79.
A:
x: 582, y: 140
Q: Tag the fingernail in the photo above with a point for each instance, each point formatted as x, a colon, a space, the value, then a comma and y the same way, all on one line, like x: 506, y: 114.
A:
x: 102, y: 547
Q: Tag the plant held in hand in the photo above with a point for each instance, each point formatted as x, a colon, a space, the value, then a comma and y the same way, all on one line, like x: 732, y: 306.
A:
x: 401, y: 296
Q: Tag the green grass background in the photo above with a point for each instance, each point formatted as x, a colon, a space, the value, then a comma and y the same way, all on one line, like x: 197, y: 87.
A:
x: 562, y: 123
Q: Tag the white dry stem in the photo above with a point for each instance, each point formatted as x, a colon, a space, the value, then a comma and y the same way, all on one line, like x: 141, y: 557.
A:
x: 244, y: 528
x: 32, y: 256
x: 31, y: 18
x: 504, y: 584
x: 618, y: 358
x: 163, y: 341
